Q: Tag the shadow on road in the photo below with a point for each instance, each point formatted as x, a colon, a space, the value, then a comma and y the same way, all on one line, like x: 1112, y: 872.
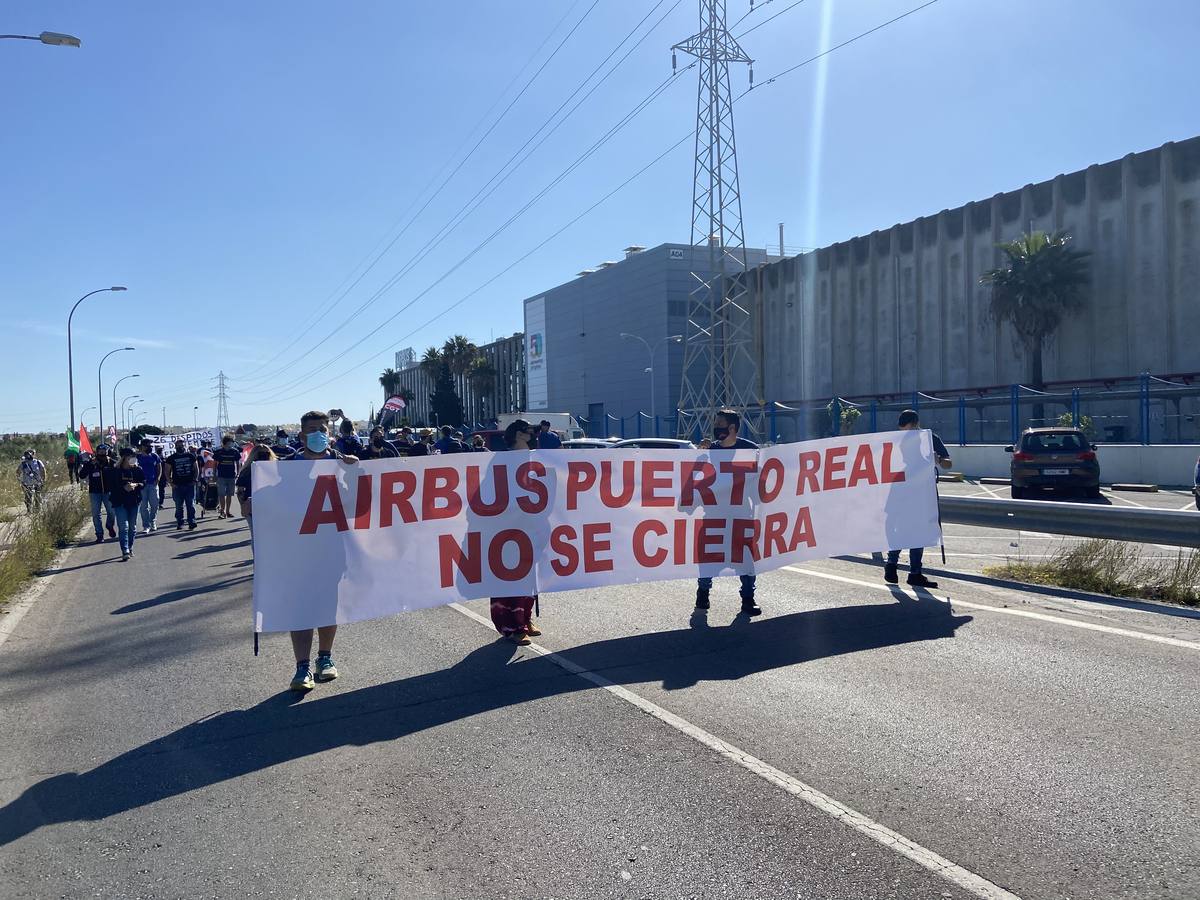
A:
x: 280, y: 729
x: 213, y: 548
x: 180, y: 594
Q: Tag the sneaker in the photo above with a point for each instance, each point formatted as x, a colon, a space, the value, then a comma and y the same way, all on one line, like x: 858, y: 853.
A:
x: 124, y: 557
x: 750, y: 608
x: 701, y: 599
x: 192, y: 525
x: 532, y: 630
x: 921, y: 581
x: 889, y: 573
x: 99, y: 539
x: 112, y: 532
x: 153, y: 528
x: 303, y: 679
x: 130, y: 554
x: 178, y: 526
x: 326, y: 670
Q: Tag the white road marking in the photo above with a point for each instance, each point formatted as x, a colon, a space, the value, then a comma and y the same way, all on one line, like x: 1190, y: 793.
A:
x: 1024, y: 614
x: 922, y: 856
x: 1117, y: 496
x: 1190, y: 505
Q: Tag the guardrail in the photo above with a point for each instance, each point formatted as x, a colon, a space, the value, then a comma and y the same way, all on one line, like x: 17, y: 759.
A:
x: 1141, y: 526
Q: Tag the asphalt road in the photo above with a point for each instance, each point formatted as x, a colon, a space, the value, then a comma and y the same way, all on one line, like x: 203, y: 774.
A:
x: 1044, y: 744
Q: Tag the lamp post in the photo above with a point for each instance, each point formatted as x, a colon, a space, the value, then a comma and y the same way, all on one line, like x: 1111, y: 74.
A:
x: 195, y: 427
x: 129, y: 418
x: 126, y: 406
x: 676, y: 338
x: 99, y: 381
x: 70, y: 361
x: 53, y: 38
x: 83, y: 414
x: 119, y: 380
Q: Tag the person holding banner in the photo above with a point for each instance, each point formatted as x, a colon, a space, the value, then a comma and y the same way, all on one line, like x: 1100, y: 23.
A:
x: 725, y: 437
x: 314, y: 434
x: 911, y: 421
x: 513, y: 616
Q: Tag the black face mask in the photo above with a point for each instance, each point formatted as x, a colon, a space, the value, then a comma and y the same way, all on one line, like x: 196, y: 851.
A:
x: 377, y: 442
x: 719, y: 433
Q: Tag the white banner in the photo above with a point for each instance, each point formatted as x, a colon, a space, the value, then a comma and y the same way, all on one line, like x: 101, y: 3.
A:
x: 335, y: 542
x: 191, y: 438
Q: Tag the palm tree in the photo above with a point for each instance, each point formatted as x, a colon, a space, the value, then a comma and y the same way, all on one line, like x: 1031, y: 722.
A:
x: 460, y: 354
x: 1042, y: 283
x: 482, y: 378
x: 389, y: 379
x: 431, y: 362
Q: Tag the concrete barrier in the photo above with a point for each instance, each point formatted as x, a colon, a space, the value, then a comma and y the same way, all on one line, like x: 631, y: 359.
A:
x: 1164, y: 464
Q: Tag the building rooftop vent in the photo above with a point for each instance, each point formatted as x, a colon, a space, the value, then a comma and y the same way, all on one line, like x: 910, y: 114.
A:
x: 585, y: 272
x: 606, y: 264
x: 632, y: 249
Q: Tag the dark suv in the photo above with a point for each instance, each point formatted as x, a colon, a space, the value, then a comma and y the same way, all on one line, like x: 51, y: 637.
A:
x: 1061, y: 459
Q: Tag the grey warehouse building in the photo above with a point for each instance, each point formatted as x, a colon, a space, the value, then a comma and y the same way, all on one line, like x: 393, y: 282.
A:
x: 576, y: 359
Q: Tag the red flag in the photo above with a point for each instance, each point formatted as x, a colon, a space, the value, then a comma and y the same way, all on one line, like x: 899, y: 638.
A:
x: 85, y: 445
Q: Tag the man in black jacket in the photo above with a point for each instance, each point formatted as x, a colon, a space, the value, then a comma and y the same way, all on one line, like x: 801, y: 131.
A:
x: 98, y: 474
x: 183, y: 470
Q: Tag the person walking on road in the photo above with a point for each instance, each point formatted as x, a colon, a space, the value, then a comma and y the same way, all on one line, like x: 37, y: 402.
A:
x: 152, y: 468
x: 183, y: 470
x: 513, y: 616
x: 726, y: 424
x: 281, y: 448
x: 125, y: 493
x: 98, y: 473
x: 910, y: 421
x: 71, y: 458
x: 314, y: 432
x: 229, y: 462
x: 261, y: 453
x: 208, y: 472
x: 32, y: 473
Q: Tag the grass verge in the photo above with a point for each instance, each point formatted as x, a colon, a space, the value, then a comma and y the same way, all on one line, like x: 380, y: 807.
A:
x: 33, y: 540
x: 1113, y: 568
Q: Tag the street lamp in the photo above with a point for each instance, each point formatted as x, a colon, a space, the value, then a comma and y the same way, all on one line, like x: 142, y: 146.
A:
x: 195, y: 427
x: 119, y: 380
x: 126, y: 406
x: 99, y: 381
x: 70, y: 365
x: 83, y: 414
x: 53, y: 38
x: 676, y: 338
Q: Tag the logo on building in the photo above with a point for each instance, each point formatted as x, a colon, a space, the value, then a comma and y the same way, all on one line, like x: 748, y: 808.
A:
x: 676, y: 254
x: 537, y: 346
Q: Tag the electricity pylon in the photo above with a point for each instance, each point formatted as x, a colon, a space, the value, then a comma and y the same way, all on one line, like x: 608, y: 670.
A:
x: 719, y: 368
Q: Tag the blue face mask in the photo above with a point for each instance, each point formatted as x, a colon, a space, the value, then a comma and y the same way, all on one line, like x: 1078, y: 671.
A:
x: 317, y: 441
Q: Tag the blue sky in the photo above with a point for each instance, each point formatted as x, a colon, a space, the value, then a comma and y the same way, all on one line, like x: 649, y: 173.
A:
x: 235, y: 164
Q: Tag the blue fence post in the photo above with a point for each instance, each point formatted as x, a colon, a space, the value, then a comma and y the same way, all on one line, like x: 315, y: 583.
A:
x: 1145, y: 407
x: 835, y: 417
x: 656, y: 425
x: 774, y: 429
x: 874, y: 416
x: 916, y: 404
x: 639, y: 423
x: 1075, y: 418
x: 1015, y: 413
x: 962, y: 421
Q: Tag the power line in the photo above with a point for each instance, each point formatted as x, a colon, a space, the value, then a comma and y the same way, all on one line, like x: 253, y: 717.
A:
x: 764, y: 21
x: 453, y: 173
x: 501, y: 176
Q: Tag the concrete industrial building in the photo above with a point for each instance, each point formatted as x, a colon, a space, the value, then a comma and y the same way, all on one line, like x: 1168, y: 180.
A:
x: 579, y: 363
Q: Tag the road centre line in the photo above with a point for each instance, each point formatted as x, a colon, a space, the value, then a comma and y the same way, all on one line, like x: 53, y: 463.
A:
x: 922, y: 856
x: 1025, y: 614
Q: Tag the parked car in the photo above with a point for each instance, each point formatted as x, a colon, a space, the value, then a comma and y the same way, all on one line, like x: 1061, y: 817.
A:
x: 589, y: 443
x: 651, y: 443
x: 1058, y: 459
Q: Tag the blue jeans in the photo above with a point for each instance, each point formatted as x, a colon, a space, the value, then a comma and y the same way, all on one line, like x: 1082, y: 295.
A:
x: 181, y: 495
x: 98, y: 501
x: 149, y: 505
x: 126, y: 526
x: 915, y: 556
x: 747, y: 591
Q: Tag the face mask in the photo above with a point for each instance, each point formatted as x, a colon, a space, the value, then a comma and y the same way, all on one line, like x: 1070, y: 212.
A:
x: 378, y: 442
x: 316, y: 441
x: 719, y: 433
